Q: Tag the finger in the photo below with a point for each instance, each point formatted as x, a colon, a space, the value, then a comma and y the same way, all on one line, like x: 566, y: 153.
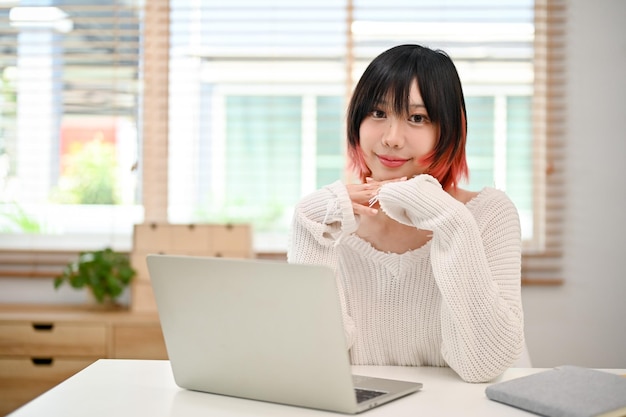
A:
x: 372, y: 182
x: 362, y: 193
x: 360, y: 209
x: 394, y: 180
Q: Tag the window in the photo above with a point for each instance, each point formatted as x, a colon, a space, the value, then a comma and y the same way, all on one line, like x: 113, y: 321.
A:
x: 122, y: 111
x: 272, y: 81
x: 69, y: 119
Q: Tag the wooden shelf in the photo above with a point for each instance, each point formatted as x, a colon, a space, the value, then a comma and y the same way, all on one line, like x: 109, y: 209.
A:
x: 40, y: 345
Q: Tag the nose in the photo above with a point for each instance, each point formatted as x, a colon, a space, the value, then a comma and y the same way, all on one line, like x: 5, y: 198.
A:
x: 393, y: 135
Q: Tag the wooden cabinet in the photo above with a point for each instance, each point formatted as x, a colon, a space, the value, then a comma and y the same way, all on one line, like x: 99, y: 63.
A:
x: 52, y: 338
x: 138, y: 341
x: 221, y: 240
x: 42, y: 346
x: 22, y: 379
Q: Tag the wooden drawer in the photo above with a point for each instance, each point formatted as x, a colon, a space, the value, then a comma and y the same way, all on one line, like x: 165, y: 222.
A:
x: 22, y: 379
x: 140, y: 341
x: 143, y: 297
x: 231, y: 241
x: 50, y: 339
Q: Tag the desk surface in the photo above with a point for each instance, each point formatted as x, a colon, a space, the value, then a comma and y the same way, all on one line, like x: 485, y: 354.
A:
x: 114, y: 387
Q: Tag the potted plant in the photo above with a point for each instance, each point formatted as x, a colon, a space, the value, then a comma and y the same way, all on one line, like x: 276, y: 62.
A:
x: 105, y: 273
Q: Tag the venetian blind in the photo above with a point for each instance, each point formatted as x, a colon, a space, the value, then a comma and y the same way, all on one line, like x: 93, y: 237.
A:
x: 68, y: 112
x: 363, y: 28
x: 155, y: 111
x: 544, y: 266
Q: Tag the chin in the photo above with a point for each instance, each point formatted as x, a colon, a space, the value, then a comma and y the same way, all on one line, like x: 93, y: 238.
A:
x: 388, y: 176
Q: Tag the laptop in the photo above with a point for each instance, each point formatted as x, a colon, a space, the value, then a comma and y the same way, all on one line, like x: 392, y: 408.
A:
x: 262, y: 330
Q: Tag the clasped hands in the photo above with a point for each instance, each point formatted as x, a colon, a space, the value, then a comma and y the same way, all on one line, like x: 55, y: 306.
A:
x: 364, y: 196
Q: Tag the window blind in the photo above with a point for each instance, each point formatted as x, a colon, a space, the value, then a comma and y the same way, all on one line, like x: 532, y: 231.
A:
x: 544, y: 265
x: 155, y: 112
x: 234, y: 111
x: 68, y: 116
x: 489, y: 41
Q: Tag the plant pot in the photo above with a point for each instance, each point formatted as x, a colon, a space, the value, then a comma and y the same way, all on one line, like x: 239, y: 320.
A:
x: 107, y: 304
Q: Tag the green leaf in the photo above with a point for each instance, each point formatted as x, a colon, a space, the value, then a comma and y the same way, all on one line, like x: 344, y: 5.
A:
x: 105, y: 272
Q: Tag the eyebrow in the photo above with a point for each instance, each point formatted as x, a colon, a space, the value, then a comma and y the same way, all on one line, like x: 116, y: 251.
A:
x: 412, y: 106
x: 384, y: 103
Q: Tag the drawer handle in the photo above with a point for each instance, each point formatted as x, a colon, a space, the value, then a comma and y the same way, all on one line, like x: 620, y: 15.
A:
x: 42, y: 361
x: 43, y: 326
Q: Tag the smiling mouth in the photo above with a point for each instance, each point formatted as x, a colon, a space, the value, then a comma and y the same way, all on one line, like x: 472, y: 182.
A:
x: 391, y: 162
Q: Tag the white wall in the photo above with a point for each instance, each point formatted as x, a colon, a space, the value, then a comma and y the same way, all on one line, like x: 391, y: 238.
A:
x: 583, y: 322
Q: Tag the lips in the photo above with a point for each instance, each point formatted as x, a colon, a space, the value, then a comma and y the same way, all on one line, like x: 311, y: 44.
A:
x: 391, y: 162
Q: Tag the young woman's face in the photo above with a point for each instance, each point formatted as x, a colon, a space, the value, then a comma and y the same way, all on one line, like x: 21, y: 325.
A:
x: 394, y: 144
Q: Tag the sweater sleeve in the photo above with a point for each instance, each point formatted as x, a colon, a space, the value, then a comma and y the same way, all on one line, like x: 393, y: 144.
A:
x: 476, y: 262
x: 320, y: 220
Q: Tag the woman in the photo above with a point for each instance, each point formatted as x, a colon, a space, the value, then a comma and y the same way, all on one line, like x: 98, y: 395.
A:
x: 428, y: 273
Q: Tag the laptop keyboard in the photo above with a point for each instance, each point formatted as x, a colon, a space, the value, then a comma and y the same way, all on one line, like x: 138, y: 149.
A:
x: 366, y: 394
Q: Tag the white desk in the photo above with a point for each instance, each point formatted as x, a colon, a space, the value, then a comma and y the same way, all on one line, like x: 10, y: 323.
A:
x: 121, y: 388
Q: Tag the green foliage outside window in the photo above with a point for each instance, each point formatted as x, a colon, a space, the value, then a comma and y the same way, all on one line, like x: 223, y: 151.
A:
x: 89, y: 176
x: 13, y: 218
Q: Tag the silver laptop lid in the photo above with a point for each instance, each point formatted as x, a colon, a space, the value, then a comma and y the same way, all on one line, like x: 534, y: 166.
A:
x: 254, y: 329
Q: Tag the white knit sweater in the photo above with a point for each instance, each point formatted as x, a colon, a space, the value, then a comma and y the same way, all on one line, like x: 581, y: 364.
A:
x: 453, y: 302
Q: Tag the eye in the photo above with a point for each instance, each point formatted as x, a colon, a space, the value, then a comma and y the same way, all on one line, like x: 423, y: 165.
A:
x: 418, y: 118
x: 378, y: 114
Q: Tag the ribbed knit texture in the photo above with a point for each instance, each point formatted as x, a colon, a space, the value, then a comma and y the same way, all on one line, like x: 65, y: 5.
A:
x: 453, y: 302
